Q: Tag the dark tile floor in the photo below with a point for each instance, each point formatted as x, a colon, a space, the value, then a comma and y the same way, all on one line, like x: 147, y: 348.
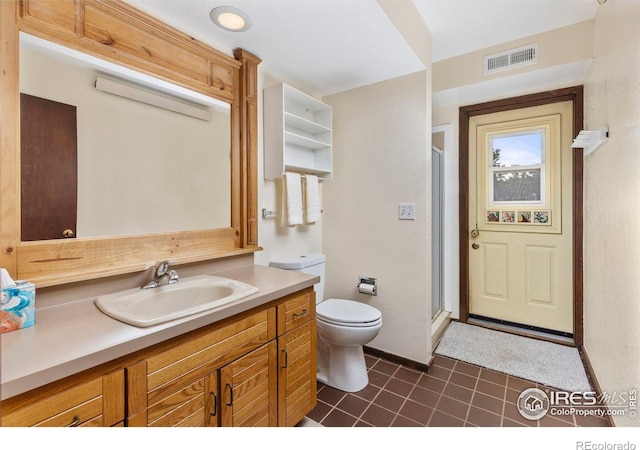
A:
x: 452, y: 394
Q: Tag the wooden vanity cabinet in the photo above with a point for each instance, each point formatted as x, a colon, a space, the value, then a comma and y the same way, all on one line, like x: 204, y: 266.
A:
x: 86, y: 400
x: 254, y: 369
x: 207, y: 377
x: 297, y: 353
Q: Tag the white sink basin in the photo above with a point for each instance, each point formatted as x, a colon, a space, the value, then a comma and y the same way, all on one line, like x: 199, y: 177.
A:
x: 146, y: 307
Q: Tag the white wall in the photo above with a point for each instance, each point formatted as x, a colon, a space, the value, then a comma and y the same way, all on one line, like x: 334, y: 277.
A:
x: 382, y: 157
x: 612, y: 206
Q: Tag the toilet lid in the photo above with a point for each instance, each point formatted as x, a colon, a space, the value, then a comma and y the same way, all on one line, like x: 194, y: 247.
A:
x: 347, y: 311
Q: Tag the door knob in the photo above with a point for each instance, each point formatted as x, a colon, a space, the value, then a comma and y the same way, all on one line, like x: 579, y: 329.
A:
x: 475, y: 246
x: 68, y: 233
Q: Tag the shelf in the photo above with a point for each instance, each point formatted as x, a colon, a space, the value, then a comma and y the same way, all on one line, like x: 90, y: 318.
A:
x: 295, y: 139
x: 303, y: 124
x: 320, y: 173
x: 297, y: 133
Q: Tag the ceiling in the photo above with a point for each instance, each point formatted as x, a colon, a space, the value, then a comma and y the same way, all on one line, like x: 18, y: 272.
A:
x: 329, y: 46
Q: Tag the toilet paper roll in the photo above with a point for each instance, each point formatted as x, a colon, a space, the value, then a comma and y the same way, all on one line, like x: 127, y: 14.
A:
x: 366, y: 288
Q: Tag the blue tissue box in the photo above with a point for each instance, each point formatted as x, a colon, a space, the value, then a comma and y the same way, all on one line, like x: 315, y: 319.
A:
x: 17, y: 306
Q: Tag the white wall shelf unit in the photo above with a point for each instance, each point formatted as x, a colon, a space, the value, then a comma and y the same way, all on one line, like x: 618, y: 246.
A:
x: 297, y: 134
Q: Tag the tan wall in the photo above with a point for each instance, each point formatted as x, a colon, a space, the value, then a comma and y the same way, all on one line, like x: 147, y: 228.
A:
x: 382, y: 157
x: 562, y: 46
x: 612, y: 206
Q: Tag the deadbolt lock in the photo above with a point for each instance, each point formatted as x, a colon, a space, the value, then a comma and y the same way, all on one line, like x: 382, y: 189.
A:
x: 475, y: 232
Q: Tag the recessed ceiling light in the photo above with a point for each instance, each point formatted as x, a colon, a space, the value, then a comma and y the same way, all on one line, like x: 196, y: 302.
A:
x: 230, y: 18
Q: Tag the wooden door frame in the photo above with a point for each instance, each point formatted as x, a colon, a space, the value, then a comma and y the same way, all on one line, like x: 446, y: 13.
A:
x: 574, y: 94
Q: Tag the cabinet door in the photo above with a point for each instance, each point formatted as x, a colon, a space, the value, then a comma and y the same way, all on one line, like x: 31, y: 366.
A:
x: 212, y: 401
x: 183, y: 407
x: 249, y: 389
x: 296, y: 374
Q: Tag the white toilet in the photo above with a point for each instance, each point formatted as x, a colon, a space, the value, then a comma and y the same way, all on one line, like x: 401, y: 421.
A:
x: 344, y: 326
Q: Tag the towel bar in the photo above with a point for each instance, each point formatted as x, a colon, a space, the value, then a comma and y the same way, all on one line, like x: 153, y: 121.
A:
x: 267, y: 213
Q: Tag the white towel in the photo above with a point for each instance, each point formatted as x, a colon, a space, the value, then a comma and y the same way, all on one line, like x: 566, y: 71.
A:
x: 291, y: 200
x: 312, y: 199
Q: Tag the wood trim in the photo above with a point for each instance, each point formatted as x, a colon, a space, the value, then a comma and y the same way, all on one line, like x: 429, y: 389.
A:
x: 574, y: 94
x: 591, y: 376
x: 80, y: 259
x: 113, y: 30
x: 248, y: 99
x: 397, y: 359
x: 136, y: 413
x: 578, y: 221
x: 113, y: 399
x: 9, y: 138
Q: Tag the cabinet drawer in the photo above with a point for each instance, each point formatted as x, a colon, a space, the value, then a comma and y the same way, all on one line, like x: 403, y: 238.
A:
x: 296, y: 310
x: 98, y: 401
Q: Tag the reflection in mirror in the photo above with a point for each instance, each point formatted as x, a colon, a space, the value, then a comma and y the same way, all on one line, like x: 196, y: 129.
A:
x: 140, y: 168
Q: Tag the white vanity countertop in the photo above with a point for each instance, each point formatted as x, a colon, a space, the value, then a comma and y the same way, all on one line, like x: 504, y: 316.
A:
x: 73, y: 337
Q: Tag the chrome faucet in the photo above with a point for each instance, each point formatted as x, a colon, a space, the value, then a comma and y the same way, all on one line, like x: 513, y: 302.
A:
x: 162, y: 276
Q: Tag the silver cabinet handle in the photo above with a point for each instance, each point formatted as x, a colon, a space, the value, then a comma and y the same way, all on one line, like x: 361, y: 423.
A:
x: 300, y: 314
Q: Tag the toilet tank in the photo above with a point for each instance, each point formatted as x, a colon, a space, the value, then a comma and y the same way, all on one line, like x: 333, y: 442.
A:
x: 312, y: 263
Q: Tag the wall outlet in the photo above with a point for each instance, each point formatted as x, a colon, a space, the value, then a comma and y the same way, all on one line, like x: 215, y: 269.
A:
x: 407, y: 211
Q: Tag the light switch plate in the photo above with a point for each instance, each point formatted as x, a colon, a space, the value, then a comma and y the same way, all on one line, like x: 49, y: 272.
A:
x: 407, y: 211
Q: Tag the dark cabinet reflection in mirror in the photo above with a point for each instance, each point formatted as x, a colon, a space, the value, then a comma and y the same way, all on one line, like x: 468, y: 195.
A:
x: 49, y: 169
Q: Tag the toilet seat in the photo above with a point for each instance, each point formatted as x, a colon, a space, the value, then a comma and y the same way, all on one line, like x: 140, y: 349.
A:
x: 348, y: 313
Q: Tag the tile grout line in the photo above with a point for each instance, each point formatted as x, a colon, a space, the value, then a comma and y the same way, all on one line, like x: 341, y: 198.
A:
x: 442, y: 394
x: 473, y: 394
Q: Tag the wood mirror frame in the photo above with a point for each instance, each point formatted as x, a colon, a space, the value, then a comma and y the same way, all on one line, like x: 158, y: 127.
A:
x: 117, y: 32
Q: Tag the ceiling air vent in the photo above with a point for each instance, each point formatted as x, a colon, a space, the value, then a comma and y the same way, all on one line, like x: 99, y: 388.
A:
x: 510, y: 59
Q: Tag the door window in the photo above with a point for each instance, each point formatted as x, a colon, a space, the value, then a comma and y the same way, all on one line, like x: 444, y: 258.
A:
x: 517, y: 168
x: 519, y: 179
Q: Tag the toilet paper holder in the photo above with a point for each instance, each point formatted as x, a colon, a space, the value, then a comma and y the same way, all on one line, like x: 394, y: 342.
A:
x: 367, y: 285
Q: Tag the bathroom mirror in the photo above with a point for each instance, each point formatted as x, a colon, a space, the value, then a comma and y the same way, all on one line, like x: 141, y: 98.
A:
x: 116, y: 32
x: 141, y: 168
